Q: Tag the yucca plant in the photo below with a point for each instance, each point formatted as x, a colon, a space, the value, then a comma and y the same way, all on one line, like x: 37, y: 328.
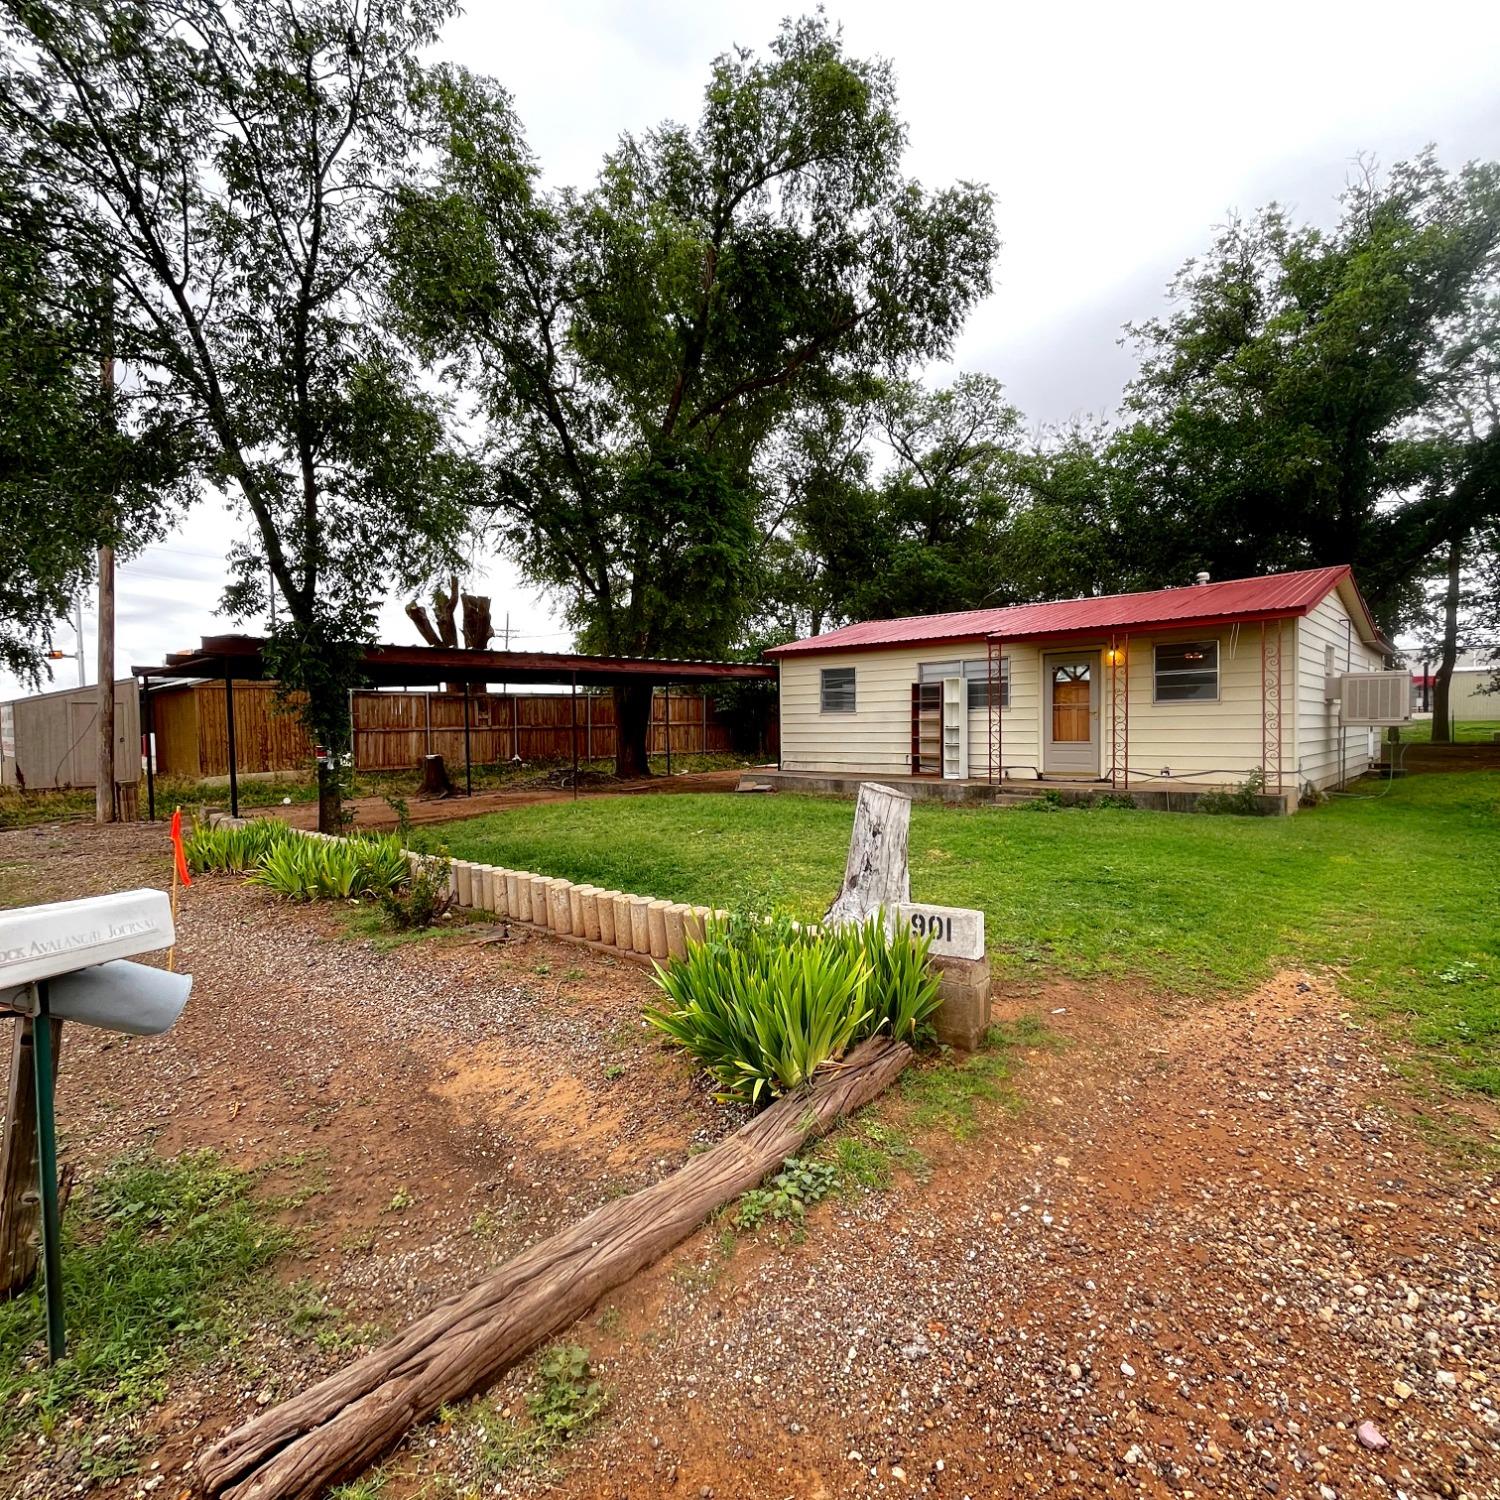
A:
x: 233, y: 850
x: 762, y: 1005
x: 901, y: 992
x: 383, y: 865
x: 291, y: 870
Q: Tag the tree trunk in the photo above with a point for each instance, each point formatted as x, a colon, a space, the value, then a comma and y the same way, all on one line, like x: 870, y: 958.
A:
x: 1442, y: 686
x: 875, y: 874
x: 632, y: 726
x: 20, y: 1202
x: 330, y: 801
x: 477, y: 627
x: 342, y: 1424
x: 435, y: 781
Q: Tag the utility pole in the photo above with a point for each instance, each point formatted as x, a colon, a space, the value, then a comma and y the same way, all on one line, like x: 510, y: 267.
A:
x: 104, y: 784
x: 83, y: 676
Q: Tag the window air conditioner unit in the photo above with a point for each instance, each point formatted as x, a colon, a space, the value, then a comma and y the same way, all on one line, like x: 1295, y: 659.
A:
x: 1375, y: 698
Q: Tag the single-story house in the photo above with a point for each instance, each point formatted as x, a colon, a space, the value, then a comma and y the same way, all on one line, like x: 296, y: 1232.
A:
x: 1197, y: 686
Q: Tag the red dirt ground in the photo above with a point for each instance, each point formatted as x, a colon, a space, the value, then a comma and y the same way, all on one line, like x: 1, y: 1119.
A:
x: 1226, y: 1198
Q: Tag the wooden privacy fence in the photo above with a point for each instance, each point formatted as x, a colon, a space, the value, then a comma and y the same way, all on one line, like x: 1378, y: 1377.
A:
x: 393, y: 731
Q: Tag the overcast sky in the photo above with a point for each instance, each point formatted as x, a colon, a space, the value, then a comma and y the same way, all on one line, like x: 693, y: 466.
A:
x: 1115, y: 137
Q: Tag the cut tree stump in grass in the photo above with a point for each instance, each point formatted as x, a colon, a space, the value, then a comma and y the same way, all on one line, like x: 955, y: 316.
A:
x: 875, y: 874
x: 341, y: 1425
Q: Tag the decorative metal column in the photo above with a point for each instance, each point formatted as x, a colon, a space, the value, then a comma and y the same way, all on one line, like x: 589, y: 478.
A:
x: 995, y: 669
x: 1270, y: 704
x: 1119, y: 715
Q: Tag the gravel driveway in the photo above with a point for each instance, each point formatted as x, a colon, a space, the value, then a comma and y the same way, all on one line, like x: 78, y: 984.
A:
x: 1206, y: 1252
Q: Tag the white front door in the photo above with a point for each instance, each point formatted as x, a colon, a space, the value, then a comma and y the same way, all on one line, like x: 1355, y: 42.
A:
x: 1070, y: 713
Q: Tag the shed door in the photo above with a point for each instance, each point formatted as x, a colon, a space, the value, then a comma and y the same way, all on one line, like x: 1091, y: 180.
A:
x: 1071, y: 714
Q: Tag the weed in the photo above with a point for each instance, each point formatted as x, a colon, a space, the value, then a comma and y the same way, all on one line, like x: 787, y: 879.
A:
x: 861, y: 1164
x: 947, y: 1093
x: 1243, y: 801
x: 575, y: 973
x: 789, y: 1193
x: 419, y: 902
x: 153, y: 1254
x: 401, y: 1200
x: 613, y: 1071
x: 566, y: 1397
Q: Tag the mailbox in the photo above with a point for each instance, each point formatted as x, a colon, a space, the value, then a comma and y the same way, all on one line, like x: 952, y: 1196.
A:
x: 71, y: 961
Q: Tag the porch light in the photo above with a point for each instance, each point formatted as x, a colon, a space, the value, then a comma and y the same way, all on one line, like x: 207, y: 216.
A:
x: 1114, y: 657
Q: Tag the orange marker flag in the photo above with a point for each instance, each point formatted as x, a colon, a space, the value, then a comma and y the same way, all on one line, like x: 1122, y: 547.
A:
x: 182, y: 866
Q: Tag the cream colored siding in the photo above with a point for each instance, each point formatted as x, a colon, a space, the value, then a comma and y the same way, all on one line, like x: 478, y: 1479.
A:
x: 1198, y: 741
x: 876, y: 737
x: 1325, y: 750
x: 1468, y: 700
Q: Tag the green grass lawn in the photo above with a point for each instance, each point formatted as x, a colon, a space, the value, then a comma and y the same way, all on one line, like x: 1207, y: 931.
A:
x: 1396, y: 892
x: 1470, y: 732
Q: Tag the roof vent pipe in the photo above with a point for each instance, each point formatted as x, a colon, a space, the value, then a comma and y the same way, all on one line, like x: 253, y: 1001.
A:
x: 1200, y: 578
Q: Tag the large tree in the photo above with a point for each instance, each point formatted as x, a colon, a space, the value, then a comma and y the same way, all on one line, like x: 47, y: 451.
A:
x: 634, y: 350
x: 1273, y: 418
x: 224, y: 170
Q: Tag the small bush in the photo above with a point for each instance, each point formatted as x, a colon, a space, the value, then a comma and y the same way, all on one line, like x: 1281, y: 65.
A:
x: 1242, y: 801
x: 763, y: 1005
x: 421, y: 901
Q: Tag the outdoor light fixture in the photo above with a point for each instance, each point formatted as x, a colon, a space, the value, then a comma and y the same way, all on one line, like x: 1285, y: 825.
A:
x: 1114, y: 657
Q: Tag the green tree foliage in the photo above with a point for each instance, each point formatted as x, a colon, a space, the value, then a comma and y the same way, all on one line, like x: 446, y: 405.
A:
x: 1276, y: 414
x: 75, y: 470
x: 226, y: 168
x: 637, y: 350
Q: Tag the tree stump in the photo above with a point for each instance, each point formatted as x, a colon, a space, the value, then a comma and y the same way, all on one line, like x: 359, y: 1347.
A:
x: 876, y: 873
x: 435, y: 781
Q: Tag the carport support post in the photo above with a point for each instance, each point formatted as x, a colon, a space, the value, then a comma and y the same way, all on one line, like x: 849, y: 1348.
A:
x: 667, y: 696
x: 468, y: 765
x: 46, y: 1155
x: 234, y: 775
x: 148, y: 709
x: 573, y: 707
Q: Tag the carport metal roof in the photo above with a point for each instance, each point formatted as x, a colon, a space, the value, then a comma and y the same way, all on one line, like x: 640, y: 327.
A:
x: 241, y: 657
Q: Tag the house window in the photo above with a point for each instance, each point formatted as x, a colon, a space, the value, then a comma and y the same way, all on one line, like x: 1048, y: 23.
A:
x: 1187, y: 672
x: 976, y: 674
x: 838, y: 690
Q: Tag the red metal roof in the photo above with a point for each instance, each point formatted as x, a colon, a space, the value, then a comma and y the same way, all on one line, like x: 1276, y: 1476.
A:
x: 1273, y: 596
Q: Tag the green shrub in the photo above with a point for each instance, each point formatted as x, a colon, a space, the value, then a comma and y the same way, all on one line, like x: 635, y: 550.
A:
x: 762, y: 1005
x: 421, y: 901
x: 1243, y: 800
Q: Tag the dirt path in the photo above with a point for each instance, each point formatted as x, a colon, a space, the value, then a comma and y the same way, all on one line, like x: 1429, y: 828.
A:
x: 1195, y: 1250
x: 375, y: 812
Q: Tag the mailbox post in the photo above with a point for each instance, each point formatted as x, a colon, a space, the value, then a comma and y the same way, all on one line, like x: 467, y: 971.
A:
x: 70, y: 961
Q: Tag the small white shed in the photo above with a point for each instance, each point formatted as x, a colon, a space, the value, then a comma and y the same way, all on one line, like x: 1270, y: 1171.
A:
x: 54, y: 738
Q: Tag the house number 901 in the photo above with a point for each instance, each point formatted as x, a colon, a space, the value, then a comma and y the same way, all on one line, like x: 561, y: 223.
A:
x: 931, y: 925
